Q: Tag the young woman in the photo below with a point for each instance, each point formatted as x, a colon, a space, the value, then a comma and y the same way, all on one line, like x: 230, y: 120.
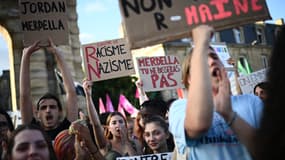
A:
x: 29, y: 142
x: 156, y: 134
x: 114, y: 141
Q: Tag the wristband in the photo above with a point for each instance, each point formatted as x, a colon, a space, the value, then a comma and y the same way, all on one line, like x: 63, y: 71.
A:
x: 233, y: 119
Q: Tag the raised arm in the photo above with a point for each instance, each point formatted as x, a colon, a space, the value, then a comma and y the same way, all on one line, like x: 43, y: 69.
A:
x: 142, y: 95
x: 26, y: 106
x: 71, y: 104
x: 94, y: 117
x: 199, y: 111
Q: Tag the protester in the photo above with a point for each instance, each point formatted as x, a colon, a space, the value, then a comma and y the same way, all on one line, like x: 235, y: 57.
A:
x: 6, y: 127
x: 156, y: 134
x: 211, y: 122
x: 149, y: 107
x: 29, y: 142
x: 260, y: 90
x: 49, y: 109
x: 270, y: 142
x: 115, y: 141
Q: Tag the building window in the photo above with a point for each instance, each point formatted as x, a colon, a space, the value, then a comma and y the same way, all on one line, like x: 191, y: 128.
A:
x: 238, y: 33
x: 216, y: 37
x: 260, y: 35
x: 264, y: 61
x: 243, y: 61
x: 244, y: 67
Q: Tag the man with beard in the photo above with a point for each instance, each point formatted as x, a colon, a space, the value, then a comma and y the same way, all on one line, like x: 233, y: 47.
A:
x: 49, y: 111
x: 210, y: 123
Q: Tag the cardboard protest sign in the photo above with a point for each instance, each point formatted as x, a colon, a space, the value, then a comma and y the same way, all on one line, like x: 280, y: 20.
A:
x: 160, y: 73
x: 158, y: 156
x: 223, y: 53
x: 107, y: 60
x: 248, y: 82
x: 166, y: 20
x: 41, y: 19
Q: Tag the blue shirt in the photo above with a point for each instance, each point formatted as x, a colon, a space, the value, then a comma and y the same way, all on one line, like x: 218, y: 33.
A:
x: 220, y: 142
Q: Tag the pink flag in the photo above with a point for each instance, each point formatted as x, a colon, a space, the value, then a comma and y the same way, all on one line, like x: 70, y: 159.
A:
x: 121, y: 110
x: 109, y: 104
x: 127, y: 105
x: 101, y: 106
x: 137, y: 95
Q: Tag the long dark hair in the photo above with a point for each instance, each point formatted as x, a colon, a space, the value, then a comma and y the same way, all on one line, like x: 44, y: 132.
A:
x: 8, y: 118
x: 108, y: 134
x: 11, y: 141
x: 270, y: 138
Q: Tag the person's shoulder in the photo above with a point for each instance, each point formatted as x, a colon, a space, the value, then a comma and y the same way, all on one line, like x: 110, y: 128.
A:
x: 249, y: 100
x: 178, y: 103
x: 177, y: 107
x: 65, y: 122
x: 246, y: 97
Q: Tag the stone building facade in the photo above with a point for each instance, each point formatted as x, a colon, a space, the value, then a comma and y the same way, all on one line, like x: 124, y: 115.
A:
x: 43, y: 78
x: 251, y: 42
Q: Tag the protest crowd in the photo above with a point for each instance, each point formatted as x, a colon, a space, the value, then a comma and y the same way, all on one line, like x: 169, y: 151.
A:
x: 206, y: 122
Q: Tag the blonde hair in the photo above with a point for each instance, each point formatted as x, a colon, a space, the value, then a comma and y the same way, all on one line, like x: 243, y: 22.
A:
x: 186, y: 69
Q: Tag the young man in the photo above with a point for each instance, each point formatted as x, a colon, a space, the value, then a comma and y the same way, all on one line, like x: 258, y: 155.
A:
x: 260, y: 90
x: 211, y: 122
x: 49, y: 109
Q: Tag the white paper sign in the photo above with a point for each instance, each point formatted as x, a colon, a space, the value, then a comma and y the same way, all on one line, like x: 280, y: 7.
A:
x: 160, y: 72
x: 159, y: 156
x: 107, y: 60
x: 248, y: 82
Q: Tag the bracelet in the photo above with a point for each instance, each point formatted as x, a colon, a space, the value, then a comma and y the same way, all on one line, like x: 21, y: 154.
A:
x: 233, y: 119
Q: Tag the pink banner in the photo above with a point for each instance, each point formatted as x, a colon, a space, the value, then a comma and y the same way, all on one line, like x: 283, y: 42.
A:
x: 127, y: 105
x: 121, y: 110
x: 101, y: 106
x: 109, y: 104
x: 137, y: 95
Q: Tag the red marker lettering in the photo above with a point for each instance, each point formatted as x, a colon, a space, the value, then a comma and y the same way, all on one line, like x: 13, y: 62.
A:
x: 222, y: 14
x: 191, y: 14
x: 255, y: 6
x: 205, y: 13
x: 241, y: 6
x: 154, y: 78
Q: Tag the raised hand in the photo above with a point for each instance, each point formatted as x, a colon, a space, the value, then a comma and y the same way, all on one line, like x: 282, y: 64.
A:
x: 32, y: 48
x: 202, y: 35
x: 222, y: 99
x: 87, y: 86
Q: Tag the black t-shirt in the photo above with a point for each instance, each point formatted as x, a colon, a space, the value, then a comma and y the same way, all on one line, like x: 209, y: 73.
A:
x: 54, y: 132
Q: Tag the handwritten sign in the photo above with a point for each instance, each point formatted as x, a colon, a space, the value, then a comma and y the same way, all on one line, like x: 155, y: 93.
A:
x: 166, y: 20
x: 41, y: 19
x: 223, y: 53
x: 107, y: 60
x: 248, y: 82
x: 158, y: 156
x: 160, y: 73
